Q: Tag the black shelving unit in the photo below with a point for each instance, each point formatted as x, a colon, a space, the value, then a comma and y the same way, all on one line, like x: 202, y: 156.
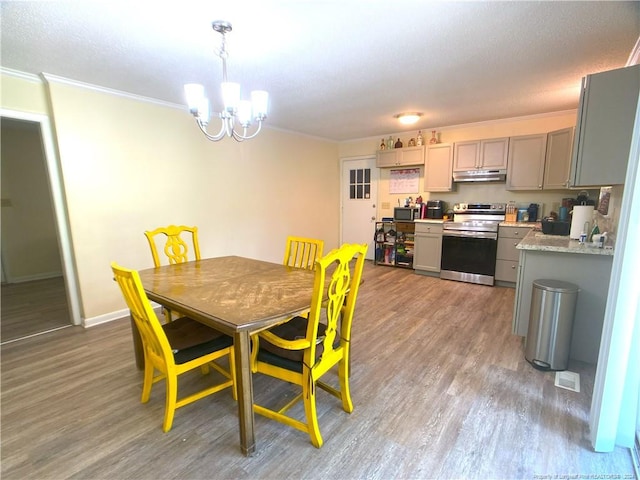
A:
x: 394, y: 244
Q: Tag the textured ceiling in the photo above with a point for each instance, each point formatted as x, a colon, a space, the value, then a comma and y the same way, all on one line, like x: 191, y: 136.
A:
x: 334, y: 69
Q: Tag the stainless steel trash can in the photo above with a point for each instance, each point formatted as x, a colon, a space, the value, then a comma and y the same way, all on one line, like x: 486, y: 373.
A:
x: 553, y: 305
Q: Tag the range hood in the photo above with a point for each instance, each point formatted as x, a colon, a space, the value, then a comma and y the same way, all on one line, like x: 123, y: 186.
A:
x: 480, y: 176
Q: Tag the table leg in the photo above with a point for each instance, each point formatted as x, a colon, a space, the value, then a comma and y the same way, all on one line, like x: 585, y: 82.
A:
x: 242, y: 346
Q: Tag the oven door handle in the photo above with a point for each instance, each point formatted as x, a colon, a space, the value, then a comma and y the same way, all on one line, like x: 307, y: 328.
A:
x: 470, y: 234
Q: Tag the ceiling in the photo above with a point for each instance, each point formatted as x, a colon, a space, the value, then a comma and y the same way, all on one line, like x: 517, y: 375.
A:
x: 334, y: 69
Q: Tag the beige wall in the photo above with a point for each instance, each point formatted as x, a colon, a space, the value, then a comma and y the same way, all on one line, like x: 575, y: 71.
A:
x: 29, y: 238
x: 470, y: 192
x: 130, y: 165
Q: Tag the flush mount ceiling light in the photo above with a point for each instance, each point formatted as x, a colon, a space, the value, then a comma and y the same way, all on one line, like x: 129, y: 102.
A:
x: 408, y: 118
x: 244, y: 111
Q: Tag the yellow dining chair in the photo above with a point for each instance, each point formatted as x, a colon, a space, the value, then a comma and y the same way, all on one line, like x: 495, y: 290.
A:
x: 302, y: 350
x: 174, y: 348
x: 302, y: 252
x: 175, y: 248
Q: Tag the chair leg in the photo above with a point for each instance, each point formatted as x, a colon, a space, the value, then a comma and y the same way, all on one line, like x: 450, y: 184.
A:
x: 232, y: 371
x: 345, y: 390
x: 309, y: 399
x: 147, y: 383
x: 171, y: 382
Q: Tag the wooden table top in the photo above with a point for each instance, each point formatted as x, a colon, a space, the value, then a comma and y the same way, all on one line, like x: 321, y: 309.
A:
x: 231, y: 293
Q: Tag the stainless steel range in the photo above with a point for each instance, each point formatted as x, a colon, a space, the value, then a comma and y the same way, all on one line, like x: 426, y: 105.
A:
x: 470, y: 242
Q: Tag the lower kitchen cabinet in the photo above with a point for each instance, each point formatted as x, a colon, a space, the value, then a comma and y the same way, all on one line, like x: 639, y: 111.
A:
x: 508, y: 256
x: 591, y: 273
x: 428, y: 247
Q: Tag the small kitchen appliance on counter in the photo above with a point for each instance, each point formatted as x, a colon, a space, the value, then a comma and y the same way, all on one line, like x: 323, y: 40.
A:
x: 434, y: 209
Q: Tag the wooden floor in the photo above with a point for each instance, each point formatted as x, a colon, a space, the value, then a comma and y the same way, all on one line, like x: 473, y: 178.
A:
x: 30, y: 308
x: 440, y: 388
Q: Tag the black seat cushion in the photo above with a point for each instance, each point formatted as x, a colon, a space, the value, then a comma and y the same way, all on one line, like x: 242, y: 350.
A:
x: 294, y: 329
x: 190, y: 339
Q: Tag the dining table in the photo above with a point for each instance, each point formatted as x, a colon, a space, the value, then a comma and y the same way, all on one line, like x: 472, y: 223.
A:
x: 238, y: 296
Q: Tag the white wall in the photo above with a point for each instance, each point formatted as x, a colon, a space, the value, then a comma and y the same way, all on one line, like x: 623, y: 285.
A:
x: 129, y: 165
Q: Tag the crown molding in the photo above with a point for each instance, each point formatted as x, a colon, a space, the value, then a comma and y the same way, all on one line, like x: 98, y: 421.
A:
x: 50, y: 78
x: 9, y: 72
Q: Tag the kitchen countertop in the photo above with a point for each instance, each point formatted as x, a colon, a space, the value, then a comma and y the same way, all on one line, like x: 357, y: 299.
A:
x: 536, y: 240
x: 430, y: 220
x: 521, y: 224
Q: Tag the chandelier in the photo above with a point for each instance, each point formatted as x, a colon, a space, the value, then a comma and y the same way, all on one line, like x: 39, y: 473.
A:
x: 235, y: 111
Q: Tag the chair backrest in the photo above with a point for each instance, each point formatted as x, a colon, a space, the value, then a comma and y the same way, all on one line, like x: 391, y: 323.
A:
x: 337, y: 282
x: 175, y: 247
x: 302, y: 252
x: 155, y: 343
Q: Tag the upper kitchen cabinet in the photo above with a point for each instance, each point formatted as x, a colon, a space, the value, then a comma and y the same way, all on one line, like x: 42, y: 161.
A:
x: 481, y: 154
x: 604, y: 127
x: 438, y: 167
x: 557, y: 163
x: 540, y: 162
x: 400, y: 157
x: 526, y: 162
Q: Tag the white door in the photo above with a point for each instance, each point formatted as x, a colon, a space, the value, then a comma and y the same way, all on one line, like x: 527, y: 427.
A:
x: 359, y: 201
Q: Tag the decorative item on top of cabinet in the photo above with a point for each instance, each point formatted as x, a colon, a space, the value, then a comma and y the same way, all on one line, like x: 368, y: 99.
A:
x: 419, y: 139
x: 525, y: 170
x: 397, y: 157
x: 389, y: 142
x: 604, y: 127
x: 398, y: 144
x: 383, y: 145
x: 438, y: 167
x: 434, y: 138
x: 487, y: 154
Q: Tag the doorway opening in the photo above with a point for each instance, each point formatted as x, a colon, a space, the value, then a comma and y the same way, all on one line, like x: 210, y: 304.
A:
x: 39, y: 286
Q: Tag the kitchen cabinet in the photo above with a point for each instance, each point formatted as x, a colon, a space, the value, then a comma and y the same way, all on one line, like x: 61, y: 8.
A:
x: 526, y: 161
x: 400, y: 157
x: 438, y: 168
x: 394, y: 243
x: 557, y: 162
x: 508, y: 256
x: 540, y: 162
x: 481, y: 154
x: 604, y: 127
x: 428, y: 246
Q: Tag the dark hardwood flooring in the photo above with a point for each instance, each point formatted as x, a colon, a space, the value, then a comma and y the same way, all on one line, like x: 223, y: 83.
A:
x: 30, y: 308
x: 440, y: 388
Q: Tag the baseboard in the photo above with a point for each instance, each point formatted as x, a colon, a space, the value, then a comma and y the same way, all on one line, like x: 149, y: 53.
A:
x: 112, y: 316
x: 32, y: 278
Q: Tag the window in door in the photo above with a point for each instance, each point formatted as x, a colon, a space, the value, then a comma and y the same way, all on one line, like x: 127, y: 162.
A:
x: 359, y: 183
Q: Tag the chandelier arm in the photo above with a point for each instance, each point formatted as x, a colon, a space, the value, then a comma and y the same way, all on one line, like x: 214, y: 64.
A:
x: 214, y: 138
x: 241, y: 137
